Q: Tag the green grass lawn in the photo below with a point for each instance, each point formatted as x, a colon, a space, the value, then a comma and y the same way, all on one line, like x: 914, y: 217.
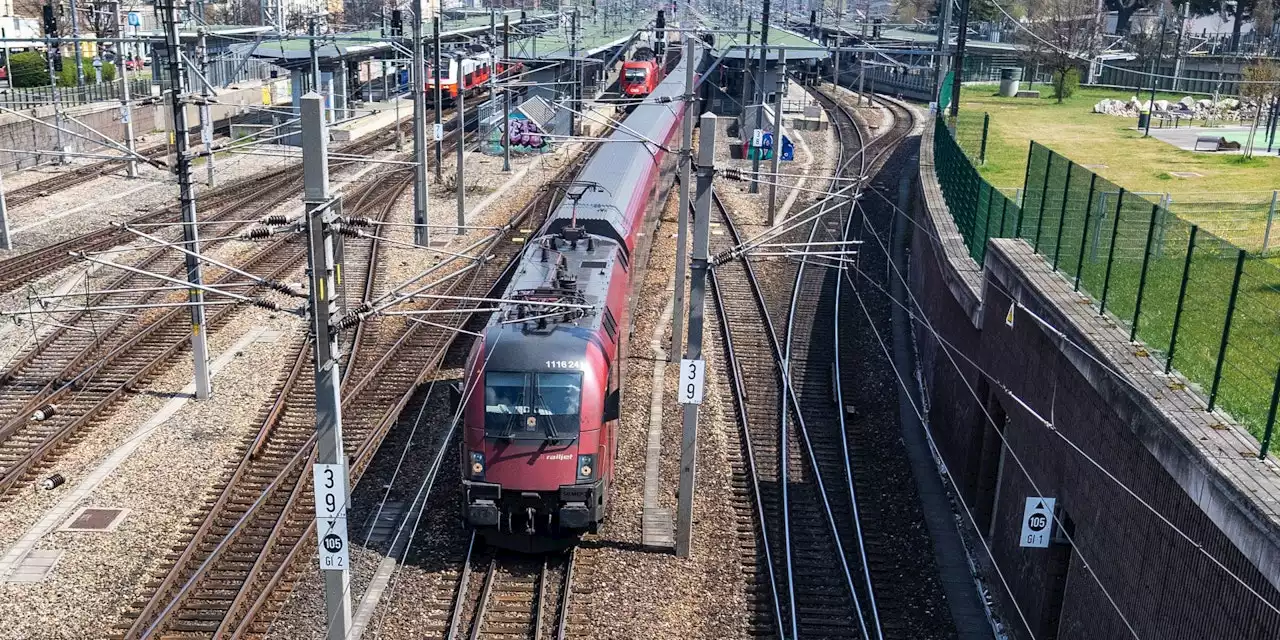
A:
x: 1073, y: 130
x: 1231, y: 197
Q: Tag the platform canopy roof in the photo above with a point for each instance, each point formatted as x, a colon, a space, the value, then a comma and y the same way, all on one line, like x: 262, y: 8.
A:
x: 293, y: 52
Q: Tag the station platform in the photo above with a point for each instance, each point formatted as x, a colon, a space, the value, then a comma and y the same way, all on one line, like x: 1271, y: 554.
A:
x: 383, y: 115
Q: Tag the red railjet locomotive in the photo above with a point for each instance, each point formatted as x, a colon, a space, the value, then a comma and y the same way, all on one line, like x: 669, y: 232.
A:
x: 543, y: 383
x: 641, y: 74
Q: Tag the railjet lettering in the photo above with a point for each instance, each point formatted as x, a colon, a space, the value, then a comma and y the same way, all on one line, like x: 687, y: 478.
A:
x: 558, y: 456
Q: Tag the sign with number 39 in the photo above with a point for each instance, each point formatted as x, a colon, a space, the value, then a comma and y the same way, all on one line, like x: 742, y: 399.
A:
x: 692, y: 375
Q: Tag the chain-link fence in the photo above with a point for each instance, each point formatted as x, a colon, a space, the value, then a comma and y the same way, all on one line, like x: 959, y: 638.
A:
x: 1199, y: 302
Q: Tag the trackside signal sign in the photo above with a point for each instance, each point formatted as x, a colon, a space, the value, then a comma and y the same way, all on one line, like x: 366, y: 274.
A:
x: 1037, y: 523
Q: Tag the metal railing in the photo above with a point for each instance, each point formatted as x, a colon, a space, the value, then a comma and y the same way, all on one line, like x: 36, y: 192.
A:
x: 31, y: 97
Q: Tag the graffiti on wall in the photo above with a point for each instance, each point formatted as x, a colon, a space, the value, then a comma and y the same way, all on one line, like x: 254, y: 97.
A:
x: 525, y: 135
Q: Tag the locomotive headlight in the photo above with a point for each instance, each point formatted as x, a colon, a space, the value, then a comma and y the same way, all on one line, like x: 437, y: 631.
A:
x: 586, y: 466
x: 477, y: 463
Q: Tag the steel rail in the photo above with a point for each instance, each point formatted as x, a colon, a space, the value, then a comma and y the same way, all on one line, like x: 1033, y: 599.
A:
x: 867, y: 164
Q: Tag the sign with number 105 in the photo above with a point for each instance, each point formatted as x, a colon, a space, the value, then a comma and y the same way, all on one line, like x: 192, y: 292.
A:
x: 692, y: 375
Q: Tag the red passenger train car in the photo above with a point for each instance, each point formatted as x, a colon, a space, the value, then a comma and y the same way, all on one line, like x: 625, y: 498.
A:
x: 467, y: 74
x: 543, y: 384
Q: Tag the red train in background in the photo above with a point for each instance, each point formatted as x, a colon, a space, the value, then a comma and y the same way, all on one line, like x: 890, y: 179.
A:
x: 641, y: 74
x: 543, y: 384
x: 468, y: 73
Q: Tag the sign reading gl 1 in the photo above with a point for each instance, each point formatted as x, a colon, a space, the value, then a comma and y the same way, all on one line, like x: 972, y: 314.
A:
x: 1037, y: 523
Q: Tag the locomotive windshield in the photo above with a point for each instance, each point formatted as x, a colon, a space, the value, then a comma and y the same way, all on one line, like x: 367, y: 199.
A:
x: 532, y: 406
x: 634, y: 75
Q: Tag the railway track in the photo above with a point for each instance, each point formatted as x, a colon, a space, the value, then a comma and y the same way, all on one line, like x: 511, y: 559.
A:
x: 67, y: 179
x: 896, y: 555
x: 38, y: 263
x: 249, y: 541
x: 74, y: 376
x: 513, y: 596
x: 794, y: 497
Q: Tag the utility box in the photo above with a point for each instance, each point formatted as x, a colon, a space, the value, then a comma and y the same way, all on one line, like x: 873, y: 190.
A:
x: 1010, y: 78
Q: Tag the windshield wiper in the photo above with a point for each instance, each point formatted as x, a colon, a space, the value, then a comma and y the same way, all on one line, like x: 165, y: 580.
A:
x: 552, y: 432
x: 509, y: 429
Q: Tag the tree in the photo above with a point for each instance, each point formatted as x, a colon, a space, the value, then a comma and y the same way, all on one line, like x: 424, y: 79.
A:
x: 1064, y: 35
x: 1261, y: 84
x: 29, y: 69
x: 1145, y: 40
x: 1124, y: 11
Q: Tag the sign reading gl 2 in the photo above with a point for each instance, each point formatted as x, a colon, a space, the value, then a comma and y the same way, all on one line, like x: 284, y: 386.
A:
x: 331, y: 515
x: 1037, y: 523
x: 692, y: 375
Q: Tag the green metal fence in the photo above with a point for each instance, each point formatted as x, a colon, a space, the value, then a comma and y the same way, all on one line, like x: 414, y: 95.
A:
x: 980, y: 210
x: 1198, y: 302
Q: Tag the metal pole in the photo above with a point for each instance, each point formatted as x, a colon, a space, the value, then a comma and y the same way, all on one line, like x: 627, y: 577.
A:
x: 1142, y: 277
x: 1111, y: 252
x: 1084, y: 233
x: 1062, y: 215
x: 573, y: 66
x: 51, y: 47
x: 835, y: 74
x: 754, y: 186
x: 1182, y: 297
x: 777, y: 135
x: 862, y: 77
x: 126, y: 104
x: 506, y: 94
x: 1004, y: 211
x: 1044, y: 197
x: 943, y: 60
x: 986, y: 230
x: 697, y: 297
x: 75, y: 33
x: 6, y: 242
x: 321, y: 214
x: 961, y: 37
x: 460, y: 182
x: 986, y: 126
x: 682, y: 230
x: 1155, y: 78
x: 1226, y: 328
x: 1177, y: 48
x: 206, y: 119
x: 439, y: 94
x: 1271, y: 218
x: 746, y: 82
x: 421, y: 233
x: 1271, y: 418
x: 315, y: 57
x: 186, y: 196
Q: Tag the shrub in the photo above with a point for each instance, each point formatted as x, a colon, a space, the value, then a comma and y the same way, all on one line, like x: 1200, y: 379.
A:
x: 67, y: 78
x: 29, y: 69
x: 1065, y: 84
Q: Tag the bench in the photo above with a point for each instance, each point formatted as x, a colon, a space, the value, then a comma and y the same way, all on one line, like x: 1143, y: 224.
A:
x: 1215, y: 141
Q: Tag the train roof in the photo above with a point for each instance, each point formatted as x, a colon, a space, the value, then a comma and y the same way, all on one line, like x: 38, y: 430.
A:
x: 621, y: 165
x: 590, y: 264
